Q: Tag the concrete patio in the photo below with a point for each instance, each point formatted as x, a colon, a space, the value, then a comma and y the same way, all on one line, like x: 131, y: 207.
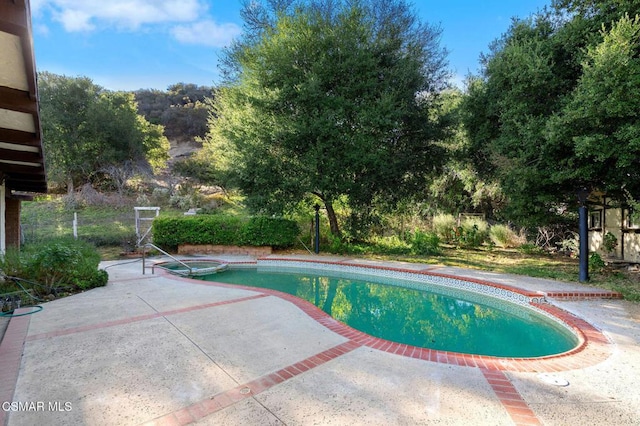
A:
x: 157, y: 349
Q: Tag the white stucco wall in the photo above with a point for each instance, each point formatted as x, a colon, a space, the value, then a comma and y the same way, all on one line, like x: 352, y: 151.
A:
x: 612, y: 221
x: 632, y: 247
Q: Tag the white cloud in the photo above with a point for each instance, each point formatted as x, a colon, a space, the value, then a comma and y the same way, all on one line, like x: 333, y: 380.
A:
x: 36, y: 5
x: 75, y: 20
x: 87, y: 15
x: 208, y: 33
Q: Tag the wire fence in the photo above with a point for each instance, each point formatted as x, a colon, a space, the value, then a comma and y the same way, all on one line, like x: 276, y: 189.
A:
x: 107, y: 229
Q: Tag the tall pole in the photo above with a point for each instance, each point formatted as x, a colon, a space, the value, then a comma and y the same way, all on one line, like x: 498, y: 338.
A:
x: 583, y: 225
x: 317, y: 240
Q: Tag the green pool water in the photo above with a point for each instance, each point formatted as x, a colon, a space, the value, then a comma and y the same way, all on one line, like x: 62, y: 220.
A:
x: 457, y: 321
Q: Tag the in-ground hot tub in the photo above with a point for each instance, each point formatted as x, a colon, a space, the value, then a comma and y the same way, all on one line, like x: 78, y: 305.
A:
x: 192, y: 268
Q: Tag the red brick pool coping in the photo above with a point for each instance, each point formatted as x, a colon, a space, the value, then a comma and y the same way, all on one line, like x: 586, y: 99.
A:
x: 593, y: 348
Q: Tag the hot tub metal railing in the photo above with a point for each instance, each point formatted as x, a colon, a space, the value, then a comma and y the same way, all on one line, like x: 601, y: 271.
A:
x: 150, y: 245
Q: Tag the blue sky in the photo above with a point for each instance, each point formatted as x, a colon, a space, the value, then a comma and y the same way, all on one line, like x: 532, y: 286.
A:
x: 150, y: 44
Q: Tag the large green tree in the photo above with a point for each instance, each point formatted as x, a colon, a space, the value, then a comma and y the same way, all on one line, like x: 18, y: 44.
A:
x: 458, y: 188
x: 601, y: 121
x: 88, y: 130
x: 335, y: 99
x: 553, y: 109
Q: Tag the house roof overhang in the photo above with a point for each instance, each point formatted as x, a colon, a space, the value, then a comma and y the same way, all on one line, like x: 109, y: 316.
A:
x: 21, y: 155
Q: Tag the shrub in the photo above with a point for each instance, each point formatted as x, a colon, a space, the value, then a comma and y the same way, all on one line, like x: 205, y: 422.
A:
x: 198, y: 229
x: 187, y: 196
x: 472, y: 232
x: 56, y: 264
x: 503, y: 236
x: 12, y: 263
x: 444, y: 226
x: 529, y: 248
x: 425, y: 243
x: 609, y: 242
x: 570, y: 246
x: 65, y: 262
x: 417, y: 243
x: 390, y: 245
x: 596, y: 263
x: 169, y: 233
x: 270, y: 231
x: 339, y: 245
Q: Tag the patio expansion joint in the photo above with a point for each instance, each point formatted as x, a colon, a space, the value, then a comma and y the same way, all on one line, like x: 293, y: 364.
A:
x: 189, y: 339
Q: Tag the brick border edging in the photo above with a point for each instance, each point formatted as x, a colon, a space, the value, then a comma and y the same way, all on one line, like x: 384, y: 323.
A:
x: 201, y: 409
x: 11, y: 349
x: 593, y: 346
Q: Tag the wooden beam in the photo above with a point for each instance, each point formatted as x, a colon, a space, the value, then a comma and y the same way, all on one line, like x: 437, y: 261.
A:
x: 18, y: 100
x: 22, y: 170
x: 13, y: 16
x: 27, y: 187
x: 15, y: 155
x: 18, y: 137
x: 26, y: 182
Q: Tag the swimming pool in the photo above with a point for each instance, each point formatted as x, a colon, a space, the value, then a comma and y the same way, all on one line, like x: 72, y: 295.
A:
x: 422, y: 314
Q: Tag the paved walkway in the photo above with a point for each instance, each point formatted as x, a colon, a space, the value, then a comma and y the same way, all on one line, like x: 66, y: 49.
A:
x: 161, y: 350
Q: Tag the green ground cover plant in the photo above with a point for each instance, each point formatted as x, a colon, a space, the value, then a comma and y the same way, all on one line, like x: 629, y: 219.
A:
x: 51, y: 268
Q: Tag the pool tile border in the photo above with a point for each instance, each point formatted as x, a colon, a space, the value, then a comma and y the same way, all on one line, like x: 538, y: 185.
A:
x: 503, y: 291
x: 513, y: 294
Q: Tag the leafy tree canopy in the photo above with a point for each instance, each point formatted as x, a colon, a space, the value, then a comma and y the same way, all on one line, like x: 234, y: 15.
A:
x: 181, y: 109
x: 601, y: 119
x: 555, y: 107
x: 335, y: 99
x: 88, y: 130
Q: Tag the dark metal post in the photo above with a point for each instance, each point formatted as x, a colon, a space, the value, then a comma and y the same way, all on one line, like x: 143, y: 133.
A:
x: 317, y: 241
x: 583, y: 224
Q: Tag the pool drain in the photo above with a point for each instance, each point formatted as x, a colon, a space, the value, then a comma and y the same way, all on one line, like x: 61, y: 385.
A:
x: 553, y: 380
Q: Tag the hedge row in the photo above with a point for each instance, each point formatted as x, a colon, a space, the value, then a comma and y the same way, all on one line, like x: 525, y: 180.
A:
x: 169, y: 233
